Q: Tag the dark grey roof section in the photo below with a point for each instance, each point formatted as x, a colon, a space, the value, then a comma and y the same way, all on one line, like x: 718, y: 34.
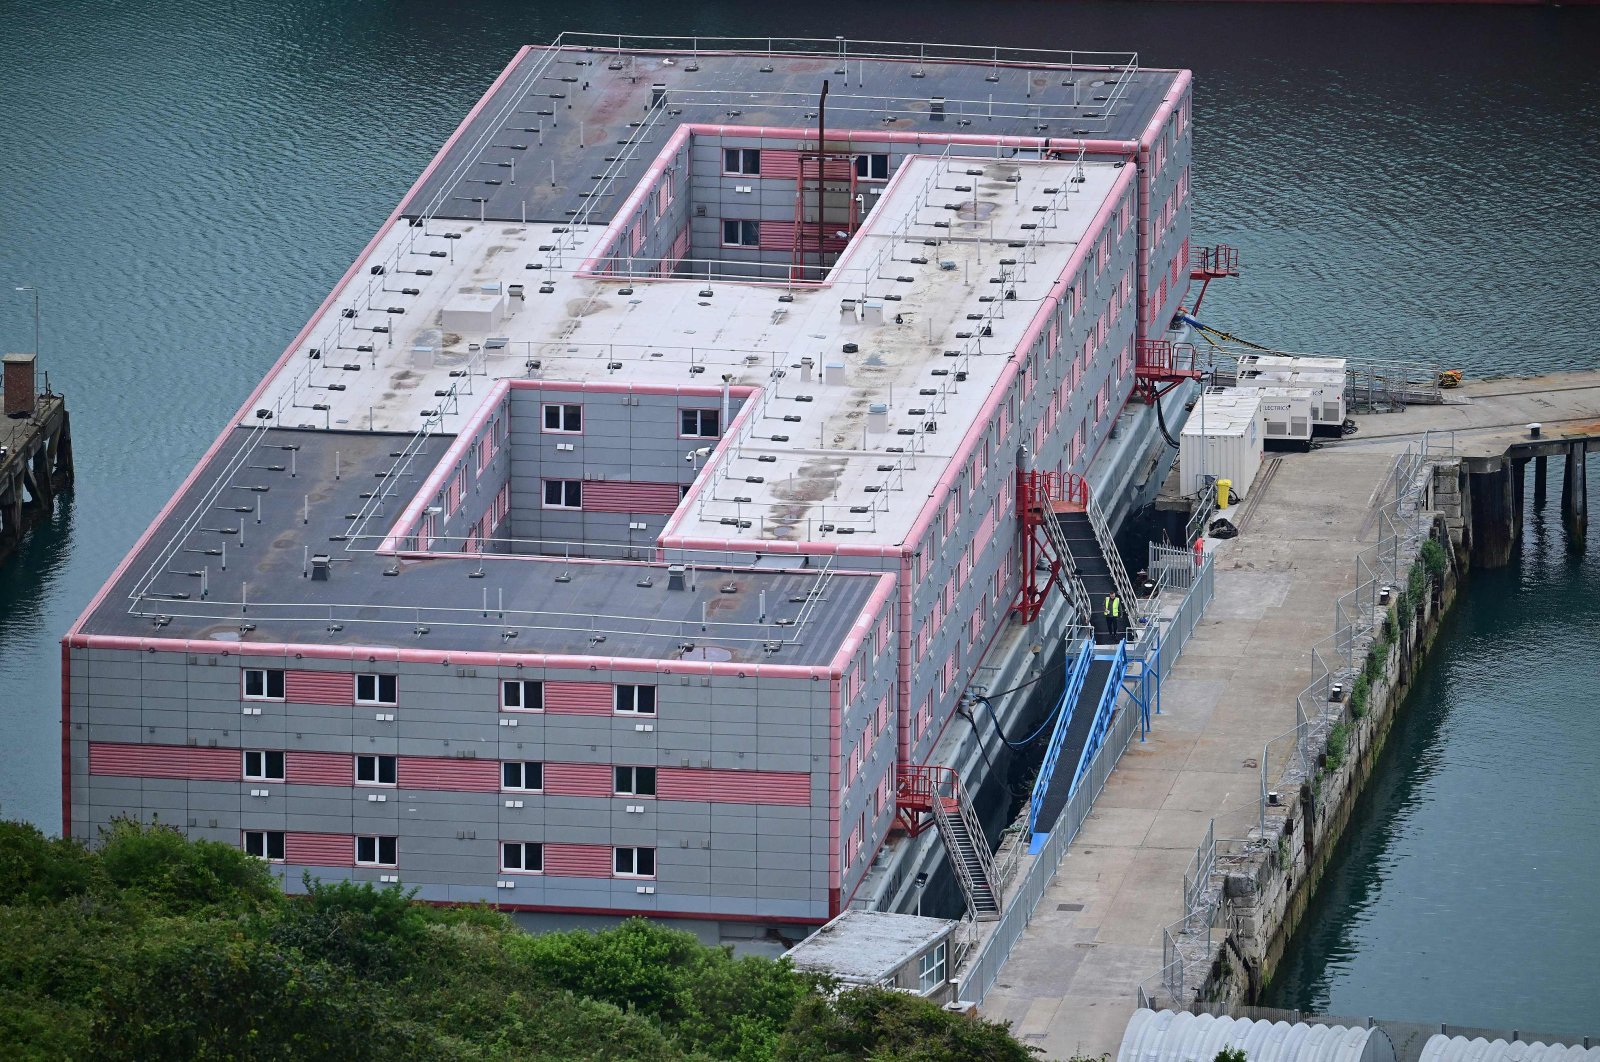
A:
x: 587, y: 109
x: 321, y: 493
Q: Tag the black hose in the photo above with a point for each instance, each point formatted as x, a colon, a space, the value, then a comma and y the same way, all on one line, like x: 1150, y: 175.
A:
x: 1161, y: 420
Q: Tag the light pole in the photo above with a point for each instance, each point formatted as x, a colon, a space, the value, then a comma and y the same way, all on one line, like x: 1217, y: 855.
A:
x: 35, y: 291
x: 920, y: 881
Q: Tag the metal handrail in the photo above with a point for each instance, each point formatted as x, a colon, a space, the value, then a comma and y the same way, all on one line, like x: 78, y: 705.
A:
x: 1108, y: 547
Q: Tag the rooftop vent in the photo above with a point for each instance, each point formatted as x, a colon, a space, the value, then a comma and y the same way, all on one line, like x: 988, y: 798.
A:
x: 321, y: 567
x: 675, y: 577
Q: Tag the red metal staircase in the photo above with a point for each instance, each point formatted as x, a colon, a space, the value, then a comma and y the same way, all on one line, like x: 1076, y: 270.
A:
x: 935, y: 795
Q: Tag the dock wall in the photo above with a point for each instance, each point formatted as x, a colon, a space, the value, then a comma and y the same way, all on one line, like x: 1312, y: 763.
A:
x: 1245, y: 897
x: 1266, y: 896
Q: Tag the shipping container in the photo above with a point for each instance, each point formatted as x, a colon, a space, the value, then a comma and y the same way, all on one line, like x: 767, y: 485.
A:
x: 1223, y: 438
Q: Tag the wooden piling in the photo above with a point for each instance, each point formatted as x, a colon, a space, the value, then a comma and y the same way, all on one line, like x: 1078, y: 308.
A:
x: 35, y: 467
x: 1575, y: 497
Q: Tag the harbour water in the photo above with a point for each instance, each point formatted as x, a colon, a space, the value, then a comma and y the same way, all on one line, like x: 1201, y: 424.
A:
x: 184, y: 182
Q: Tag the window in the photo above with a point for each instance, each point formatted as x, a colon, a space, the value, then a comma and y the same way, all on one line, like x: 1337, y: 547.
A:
x: 375, y: 770
x: 522, y: 695
x: 872, y: 167
x: 932, y: 967
x: 634, y: 862
x: 635, y: 781
x: 526, y: 856
x: 741, y: 160
x: 636, y: 700
x: 737, y: 233
x: 522, y: 774
x: 375, y: 851
x: 264, y: 844
x: 563, y: 418
x: 264, y: 766
x: 699, y: 423
x: 263, y: 684
x: 563, y: 494
x: 375, y: 689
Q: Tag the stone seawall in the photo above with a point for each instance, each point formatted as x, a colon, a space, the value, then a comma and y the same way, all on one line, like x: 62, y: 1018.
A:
x: 1267, y: 883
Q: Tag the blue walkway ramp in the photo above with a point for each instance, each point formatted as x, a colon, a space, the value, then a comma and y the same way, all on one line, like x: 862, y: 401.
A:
x: 1088, y: 704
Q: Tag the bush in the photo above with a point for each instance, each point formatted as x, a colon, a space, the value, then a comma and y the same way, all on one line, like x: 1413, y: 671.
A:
x: 1360, y: 690
x: 1434, y: 559
x: 1338, y: 744
x: 155, y: 946
x: 889, y: 1026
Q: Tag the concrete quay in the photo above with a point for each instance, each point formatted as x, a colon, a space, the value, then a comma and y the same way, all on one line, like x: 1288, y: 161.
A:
x: 1070, y: 983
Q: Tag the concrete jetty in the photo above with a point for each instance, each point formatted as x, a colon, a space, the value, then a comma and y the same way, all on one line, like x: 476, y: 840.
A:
x: 1104, y: 930
x: 35, y: 450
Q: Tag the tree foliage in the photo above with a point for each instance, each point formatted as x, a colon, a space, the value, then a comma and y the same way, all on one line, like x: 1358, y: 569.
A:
x: 153, y: 946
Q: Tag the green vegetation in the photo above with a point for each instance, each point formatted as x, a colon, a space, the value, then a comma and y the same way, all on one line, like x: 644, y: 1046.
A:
x: 1338, y: 743
x: 1360, y: 691
x: 1231, y: 1054
x: 154, y: 947
x: 1435, y: 559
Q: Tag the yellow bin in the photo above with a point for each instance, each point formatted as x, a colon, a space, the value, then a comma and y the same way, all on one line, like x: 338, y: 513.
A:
x: 1224, y: 488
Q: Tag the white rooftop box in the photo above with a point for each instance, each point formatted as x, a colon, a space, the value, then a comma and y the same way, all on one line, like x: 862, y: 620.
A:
x: 473, y: 313
x: 1223, y: 438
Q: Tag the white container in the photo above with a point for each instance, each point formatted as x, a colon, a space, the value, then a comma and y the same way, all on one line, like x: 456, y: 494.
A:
x: 1324, y: 377
x: 1286, y: 414
x: 1222, y: 438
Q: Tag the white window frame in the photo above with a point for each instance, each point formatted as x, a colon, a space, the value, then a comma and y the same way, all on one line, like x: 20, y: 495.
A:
x: 263, y: 767
x: 266, y: 674
x: 633, y: 852
x: 376, y: 760
x: 746, y: 162
x: 523, y: 687
x: 522, y: 849
x: 522, y: 772
x: 865, y: 164
x: 628, y: 703
x: 266, y: 837
x: 626, y: 779
x: 700, y: 416
x: 571, y: 494
x: 933, y: 967
x: 378, y: 682
x: 753, y: 232
x: 567, y: 413
x: 377, y: 850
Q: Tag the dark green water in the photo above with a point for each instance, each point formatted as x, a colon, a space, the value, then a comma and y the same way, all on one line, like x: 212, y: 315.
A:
x: 184, y: 181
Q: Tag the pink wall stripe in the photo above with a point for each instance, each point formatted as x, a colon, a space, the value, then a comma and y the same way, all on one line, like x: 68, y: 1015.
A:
x: 319, y: 768
x: 734, y: 787
x: 433, y: 772
x: 577, y: 860
x: 578, y: 779
x: 320, y: 849
x: 579, y: 698
x: 320, y: 687
x: 165, y: 761
x: 618, y: 496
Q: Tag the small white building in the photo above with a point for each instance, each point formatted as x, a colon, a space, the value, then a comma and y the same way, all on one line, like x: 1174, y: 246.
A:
x: 907, y: 952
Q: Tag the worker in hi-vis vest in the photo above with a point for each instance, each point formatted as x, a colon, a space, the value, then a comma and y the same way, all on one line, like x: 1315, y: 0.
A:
x: 1113, y: 614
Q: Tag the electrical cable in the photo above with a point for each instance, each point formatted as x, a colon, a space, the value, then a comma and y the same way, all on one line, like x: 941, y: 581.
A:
x: 1031, y: 738
x: 1161, y: 421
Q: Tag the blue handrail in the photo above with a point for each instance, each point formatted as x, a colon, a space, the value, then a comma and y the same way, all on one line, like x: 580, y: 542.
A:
x: 1102, y: 715
x: 1073, y: 687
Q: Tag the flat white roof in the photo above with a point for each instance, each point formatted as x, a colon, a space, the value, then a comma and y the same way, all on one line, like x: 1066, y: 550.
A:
x: 1223, y: 411
x: 961, y: 216
x: 864, y: 947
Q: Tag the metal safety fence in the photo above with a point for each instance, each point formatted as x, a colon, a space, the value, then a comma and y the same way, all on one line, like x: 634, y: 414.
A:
x: 1194, y: 589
